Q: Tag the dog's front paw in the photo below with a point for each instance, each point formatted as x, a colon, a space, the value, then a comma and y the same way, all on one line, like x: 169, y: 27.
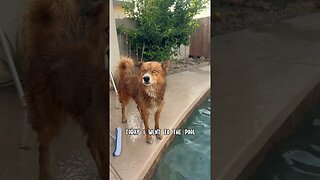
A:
x: 124, y: 120
x: 149, y: 139
x: 159, y: 136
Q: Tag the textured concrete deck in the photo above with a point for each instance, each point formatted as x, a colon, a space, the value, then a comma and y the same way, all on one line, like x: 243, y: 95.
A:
x: 260, y: 76
x: 70, y: 158
x: 184, y: 90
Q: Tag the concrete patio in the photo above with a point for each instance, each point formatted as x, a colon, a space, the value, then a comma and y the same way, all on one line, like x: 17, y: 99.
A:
x: 260, y: 77
x: 184, y: 91
x: 70, y: 157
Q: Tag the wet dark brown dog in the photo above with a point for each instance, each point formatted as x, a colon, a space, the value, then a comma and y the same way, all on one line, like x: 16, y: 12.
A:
x: 145, y: 83
x: 66, y: 74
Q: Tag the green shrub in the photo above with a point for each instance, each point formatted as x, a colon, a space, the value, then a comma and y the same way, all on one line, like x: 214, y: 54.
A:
x: 162, y: 26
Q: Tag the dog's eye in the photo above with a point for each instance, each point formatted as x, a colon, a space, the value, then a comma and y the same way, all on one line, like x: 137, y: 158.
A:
x: 144, y: 71
x: 154, y: 71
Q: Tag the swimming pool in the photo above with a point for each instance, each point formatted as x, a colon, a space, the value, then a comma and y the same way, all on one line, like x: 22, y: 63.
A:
x: 188, y: 156
x: 297, y: 157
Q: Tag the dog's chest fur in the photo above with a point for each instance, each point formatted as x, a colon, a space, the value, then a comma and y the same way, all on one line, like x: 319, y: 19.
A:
x: 152, y: 93
x: 153, y: 106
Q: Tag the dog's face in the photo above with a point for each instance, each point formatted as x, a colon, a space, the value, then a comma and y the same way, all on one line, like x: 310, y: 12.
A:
x: 152, y: 73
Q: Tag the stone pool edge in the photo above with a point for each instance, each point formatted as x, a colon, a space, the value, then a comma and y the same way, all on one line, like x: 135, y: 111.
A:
x: 281, y: 133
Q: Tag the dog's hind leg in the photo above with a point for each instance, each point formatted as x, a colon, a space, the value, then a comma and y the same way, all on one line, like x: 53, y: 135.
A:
x: 123, y: 112
x: 124, y: 100
x: 44, y: 138
x: 139, y: 110
x: 47, y: 125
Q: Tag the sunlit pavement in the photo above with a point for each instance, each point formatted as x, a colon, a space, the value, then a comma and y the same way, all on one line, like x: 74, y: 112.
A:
x: 184, y: 91
x: 70, y: 158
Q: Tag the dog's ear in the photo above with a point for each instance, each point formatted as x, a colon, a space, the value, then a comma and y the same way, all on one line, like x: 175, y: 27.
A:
x: 166, y: 65
x: 138, y: 64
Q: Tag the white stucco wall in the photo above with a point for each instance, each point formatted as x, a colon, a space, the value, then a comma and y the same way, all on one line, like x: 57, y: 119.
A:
x: 114, y: 45
x: 206, y: 12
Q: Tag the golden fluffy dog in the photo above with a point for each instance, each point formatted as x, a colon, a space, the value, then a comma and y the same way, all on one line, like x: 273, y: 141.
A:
x: 145, y: 83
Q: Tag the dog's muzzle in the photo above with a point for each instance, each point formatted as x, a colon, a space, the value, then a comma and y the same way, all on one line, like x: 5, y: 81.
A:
x: 146, y: 79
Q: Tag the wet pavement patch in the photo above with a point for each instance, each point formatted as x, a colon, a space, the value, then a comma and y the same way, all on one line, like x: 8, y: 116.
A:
x: 77, y: 165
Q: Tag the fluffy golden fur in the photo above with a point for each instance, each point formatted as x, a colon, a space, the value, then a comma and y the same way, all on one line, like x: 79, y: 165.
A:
x: 66, y: 74
x: 145, y: 83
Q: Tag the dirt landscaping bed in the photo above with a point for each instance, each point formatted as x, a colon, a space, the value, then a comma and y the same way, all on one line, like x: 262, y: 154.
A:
x: 188, y: 64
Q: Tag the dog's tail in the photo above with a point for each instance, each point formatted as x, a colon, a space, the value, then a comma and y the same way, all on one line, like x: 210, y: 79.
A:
x: 48, y: 20
x: 49, y: 12
x: 125, y: 69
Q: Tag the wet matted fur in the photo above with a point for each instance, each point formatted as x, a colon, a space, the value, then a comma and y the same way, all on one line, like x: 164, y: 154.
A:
x: 67, y: 75
x: 145, y: 83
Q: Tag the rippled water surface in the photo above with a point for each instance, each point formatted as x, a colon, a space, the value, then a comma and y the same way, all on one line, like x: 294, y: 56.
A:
x: 297, y: 157
x: 188, y: 157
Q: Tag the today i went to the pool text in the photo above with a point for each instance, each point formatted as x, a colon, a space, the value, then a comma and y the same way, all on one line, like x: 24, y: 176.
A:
x: 178, y: 131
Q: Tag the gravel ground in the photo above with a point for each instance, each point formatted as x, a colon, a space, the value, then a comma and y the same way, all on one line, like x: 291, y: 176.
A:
x: 188, y: 64
x: 234, y: 15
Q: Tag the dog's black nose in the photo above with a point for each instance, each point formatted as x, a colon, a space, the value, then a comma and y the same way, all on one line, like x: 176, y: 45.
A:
x: 146, y: 79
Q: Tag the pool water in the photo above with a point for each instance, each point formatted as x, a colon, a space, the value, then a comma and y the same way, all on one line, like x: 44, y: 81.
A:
x: 188, y: 156
x: 297, y: 157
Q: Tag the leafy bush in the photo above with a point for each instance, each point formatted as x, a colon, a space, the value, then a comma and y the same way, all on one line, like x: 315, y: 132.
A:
x: 162, y: 26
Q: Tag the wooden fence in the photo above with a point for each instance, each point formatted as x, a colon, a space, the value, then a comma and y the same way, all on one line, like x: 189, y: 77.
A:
x: 200, y: 41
